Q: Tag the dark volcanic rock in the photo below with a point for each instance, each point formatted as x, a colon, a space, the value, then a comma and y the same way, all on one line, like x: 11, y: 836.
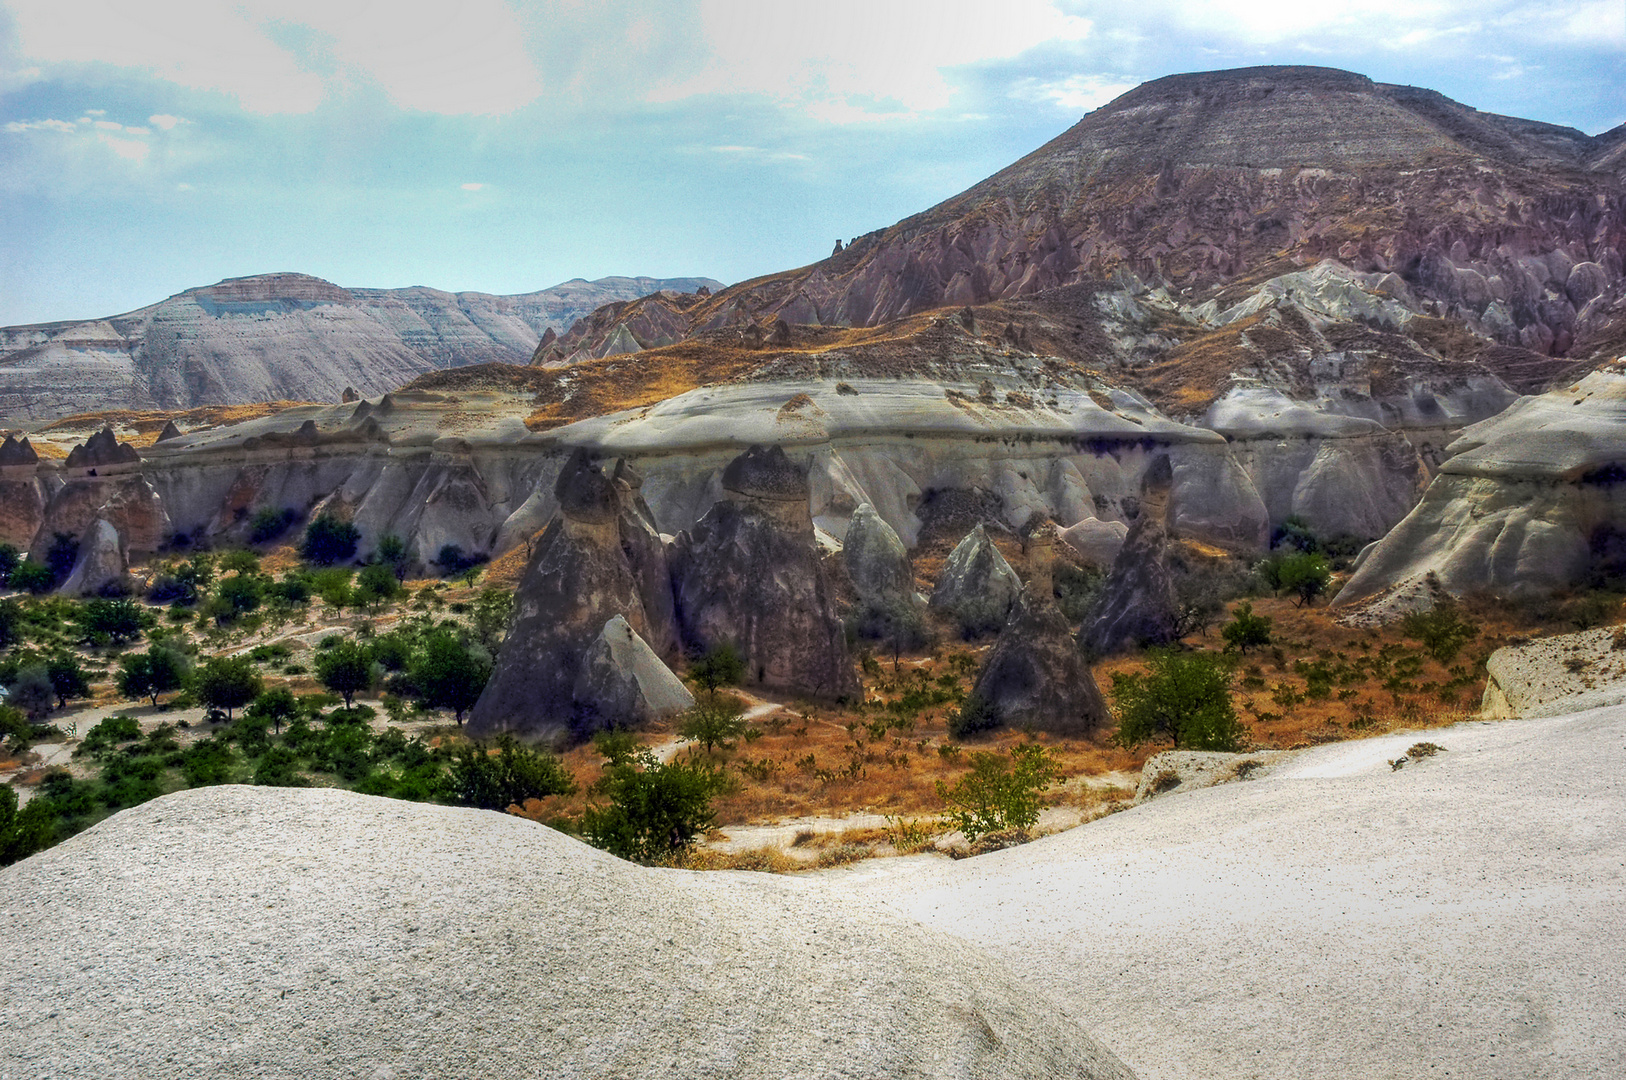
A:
x: 13, y: 452
x: 1139, y: 606
x: 750, y: 574
x: 579, y: 579
x: 170, y: 432
x: 1036, y: 674
x: 102, y: 449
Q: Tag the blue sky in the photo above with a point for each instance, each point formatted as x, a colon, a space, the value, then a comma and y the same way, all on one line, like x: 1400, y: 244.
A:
x: 150, y: 147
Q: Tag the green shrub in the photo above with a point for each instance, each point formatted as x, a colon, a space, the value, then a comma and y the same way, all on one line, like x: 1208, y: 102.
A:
x: 1442, y: 632
x: 227, y: 683
x: 508, y: 777
x: 156, y: 671
x: 974, y: 714
x: 656, y: 811
x: 61, y: 556
x: 109, y: 622
x: 269, y: 523
x: 32, y: 577
x: 346, y: 669
x: 329, y: 540
x: 25, y: 831
x: 279, y: 767
x: 109, y: 733
x: 1185, y: 696
x: 1246, y: 630
x: 1000, y: 792
x: 207, y: 762
x: 712, y: 723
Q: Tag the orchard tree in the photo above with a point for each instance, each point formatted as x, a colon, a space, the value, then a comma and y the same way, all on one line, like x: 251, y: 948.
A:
x: 227, y: 683
x: 1185, y: 696
x: 346, y: 669
x: 156, y: 671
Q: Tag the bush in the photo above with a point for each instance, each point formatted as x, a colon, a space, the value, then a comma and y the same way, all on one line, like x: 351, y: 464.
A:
x: 32, y: 692
x: 329, y: 540
x: 276, y: 707
x: 290, y: 590
x: 974, y: 714
x: 1000, y: 792
x: 25, y: 831
x: 391, y: 552
x: 68, y: 678
x: 1442, y: 632
x: 376, y: 584
x: 156, y: 671
x: 269, y: 523
x: 32, y: 577
x: 720, y: 666
x: 656, y: 810
x: 714, y: 722
x: 1302, y: 573
x: 279, y: 767
x: 208, y: 762
x: 453, y: 561
x: 1077, y: 590
x: 10, y: 557
x: 11, y: 629
x: 109, y: 733
x: 1246, y: 630
x: 1186, y: 696
x: 227, y: 683
x: 507, y: 778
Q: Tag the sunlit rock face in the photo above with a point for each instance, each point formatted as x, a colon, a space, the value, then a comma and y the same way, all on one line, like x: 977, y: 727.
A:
x: 749, y: 575
x: 283, y: 337
x: 1529, y: 501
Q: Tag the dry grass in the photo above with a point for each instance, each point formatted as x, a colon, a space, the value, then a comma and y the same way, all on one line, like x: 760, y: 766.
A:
x: 144, y: 425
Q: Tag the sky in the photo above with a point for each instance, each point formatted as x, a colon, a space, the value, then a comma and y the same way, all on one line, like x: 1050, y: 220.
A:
x: 147, y: 148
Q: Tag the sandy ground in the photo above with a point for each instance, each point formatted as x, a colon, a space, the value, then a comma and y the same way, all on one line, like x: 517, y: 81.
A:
x: 1464, y: 916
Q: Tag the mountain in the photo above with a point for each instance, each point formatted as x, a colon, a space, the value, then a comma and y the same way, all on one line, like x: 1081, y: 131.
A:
x: 1511, y: 227
x: 283, y: 336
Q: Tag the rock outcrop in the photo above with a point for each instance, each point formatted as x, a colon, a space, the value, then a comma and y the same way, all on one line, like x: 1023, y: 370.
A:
x: 100, y: 563
x: 977, y: 586
x: 1530, y: 501
x: 1036, y: 676
x: 623, y: 678
x: 493, y: 947
x: 877, y: 563
x: 1095, y: 540
x: 579, y: 579
x: 1138, y: 605
x: 749, y: 574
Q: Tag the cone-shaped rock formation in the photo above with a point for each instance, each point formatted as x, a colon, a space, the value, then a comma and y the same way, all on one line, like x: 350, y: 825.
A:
x: 1138, y: 606
x: 750, y: 575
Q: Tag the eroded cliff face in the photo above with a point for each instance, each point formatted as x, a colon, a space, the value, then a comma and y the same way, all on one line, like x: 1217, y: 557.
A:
x: 1529, y: 501
x: 1202, y: 181
x: 279, y: 337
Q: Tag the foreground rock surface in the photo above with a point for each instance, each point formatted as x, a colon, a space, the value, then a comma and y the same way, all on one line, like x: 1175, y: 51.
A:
x: 1463, y: 916
x: 1556, y: 675
x: 329, y: 934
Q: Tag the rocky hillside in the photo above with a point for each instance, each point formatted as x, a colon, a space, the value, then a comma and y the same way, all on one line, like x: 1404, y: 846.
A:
x: 282, y: 336
x: 1511, y: 228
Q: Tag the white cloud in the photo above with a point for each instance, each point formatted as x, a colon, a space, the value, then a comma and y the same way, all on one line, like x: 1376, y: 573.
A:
x: 473, y: 187
x: 437, y: 57
x: 39, y: 125
x: 1076, y: 93
x: 129, y: 149
x: 757, y: 153
x: 165, y: 122
x: 851, y: 60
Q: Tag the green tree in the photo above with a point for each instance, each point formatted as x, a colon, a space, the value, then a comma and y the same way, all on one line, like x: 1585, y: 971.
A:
x: 1000, y: 792
x: 240, y: 561
x: 10, y: 557
x: 275, y: 706
x: 227, y: 683
x: 68, y: 678
x: 207, y: 762
x: 32, y: 692
x: 33, y: 577
x: 156, y: 671
x: 376, y: 585
x: 11, y: 620
x: 975, y: 714
x: 109, y: 621
x: 721, y: 666
x: 1185, y: 696
x: 269, y: 523
x: 346, y: 669
x: 1246, y: 630
x: 656, y: 811
x: 25, y: 831
x: 712, y: 723
x: 1304, y: 574
x: 450, y: 673
x: 1442, y: 631
x: 329, y: 540
x: 391, y: 552
x: 492, y: 610
x: 507, y: 778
